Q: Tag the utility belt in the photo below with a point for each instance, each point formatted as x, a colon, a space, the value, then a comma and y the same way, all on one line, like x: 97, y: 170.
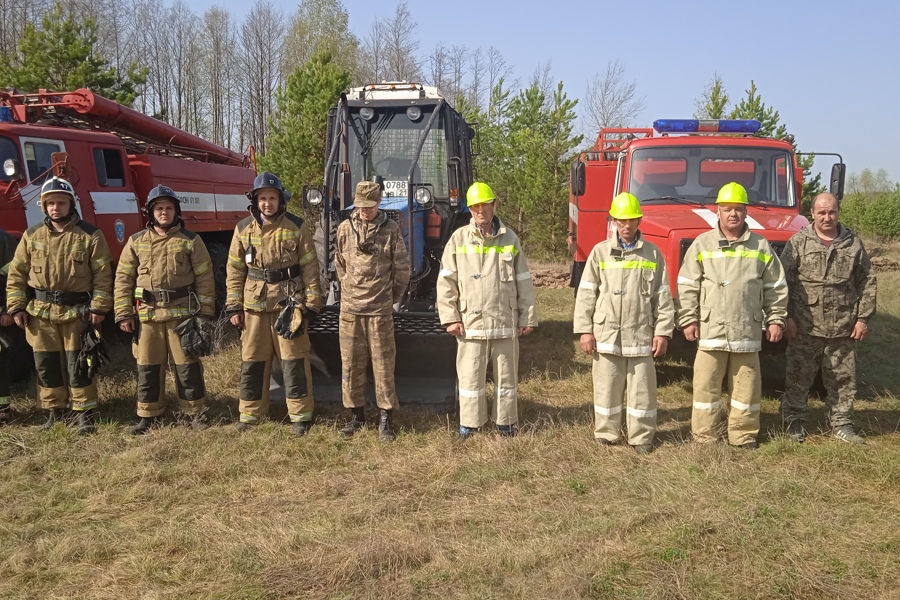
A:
x: 59, y: 297
x: 274, y: 275
x: 154, y: 297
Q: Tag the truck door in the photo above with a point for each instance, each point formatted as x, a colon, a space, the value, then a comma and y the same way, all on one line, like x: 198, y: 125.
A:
x: 38, y: 163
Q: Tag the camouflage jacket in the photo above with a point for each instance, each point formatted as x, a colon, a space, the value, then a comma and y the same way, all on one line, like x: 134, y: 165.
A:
x: 285, y: 243
x: 7, y: 251
x: 484, y: 283
x: 372, y: 264
x: 153, y: 262
x: 625, y: 301
x: 831, y: 287
x: 76, y: 259
x: 731, y: 288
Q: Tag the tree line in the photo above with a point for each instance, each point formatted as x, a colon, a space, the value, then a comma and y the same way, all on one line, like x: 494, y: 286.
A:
x: 268, y: 80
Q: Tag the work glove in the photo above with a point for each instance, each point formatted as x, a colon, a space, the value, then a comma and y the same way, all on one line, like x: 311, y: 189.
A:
x: 196, y: 336
x: 290, y: 322
x: 93, y: 354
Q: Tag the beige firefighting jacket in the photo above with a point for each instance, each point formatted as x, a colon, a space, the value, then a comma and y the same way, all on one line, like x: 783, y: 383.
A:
x: 154, y: 262
x: 624, y: 300
x: 372, y: 265
x: 831, y: 287
x: 284, y: 243
x: 732, y: 289
x: 76, y: 259
x: 484, y: 283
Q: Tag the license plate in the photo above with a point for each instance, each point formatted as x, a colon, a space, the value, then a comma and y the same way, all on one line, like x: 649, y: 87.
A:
x: 395, y: 189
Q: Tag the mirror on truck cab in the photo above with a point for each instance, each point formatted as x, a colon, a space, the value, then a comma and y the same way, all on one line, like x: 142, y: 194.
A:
x: 576, y: 179
x: 838, y: 171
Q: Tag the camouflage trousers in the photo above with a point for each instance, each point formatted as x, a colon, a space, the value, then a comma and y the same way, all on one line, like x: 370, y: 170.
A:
x: 156, y: 343
x: 259, y: 346
x: 365, y: 337
x: 745, y: 384
x: 614, y: 376
x: 837, y: 357
x: 56, y: 347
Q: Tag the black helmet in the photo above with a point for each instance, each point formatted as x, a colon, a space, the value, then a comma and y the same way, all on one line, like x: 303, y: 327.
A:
x: 161, y: 192
x: 60, y: 185
x: 262, y: 181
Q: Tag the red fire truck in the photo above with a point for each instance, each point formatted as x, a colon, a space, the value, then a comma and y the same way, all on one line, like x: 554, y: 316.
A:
x: 676, y: 170
x: 114, y: 155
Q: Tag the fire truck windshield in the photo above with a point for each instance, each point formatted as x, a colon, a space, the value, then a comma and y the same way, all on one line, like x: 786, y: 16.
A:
x: 695, y: 173
x: 385, y: 145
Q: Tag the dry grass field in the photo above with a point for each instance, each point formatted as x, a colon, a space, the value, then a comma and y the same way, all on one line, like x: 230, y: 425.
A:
x: 549, y: 514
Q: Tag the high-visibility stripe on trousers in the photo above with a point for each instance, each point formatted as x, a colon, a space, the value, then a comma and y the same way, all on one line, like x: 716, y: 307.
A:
x: 56, y: 347
x: 363, y: 337
x: 708, y: 415
x: 472, y: 358
x: 613, y: 377
x: 156, y: 343
x: 259, y: 346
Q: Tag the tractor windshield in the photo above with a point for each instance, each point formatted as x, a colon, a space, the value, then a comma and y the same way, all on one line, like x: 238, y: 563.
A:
x: 385, y: 145
x: 695, y: 173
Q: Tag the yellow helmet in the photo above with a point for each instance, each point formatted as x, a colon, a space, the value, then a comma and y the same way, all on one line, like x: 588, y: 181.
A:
x: 732, y: 193
x: 625, y: 206
x: 479, y: 193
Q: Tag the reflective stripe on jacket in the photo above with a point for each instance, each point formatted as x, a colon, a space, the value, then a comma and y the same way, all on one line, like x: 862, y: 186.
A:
x: 374, y: 279
x: 731, y: 289
x: 484, y: 283
x: 831, y: 287
x: 76, y: 259
x: 625, y: 301
x: 153, y: 262
x: 283, y: 243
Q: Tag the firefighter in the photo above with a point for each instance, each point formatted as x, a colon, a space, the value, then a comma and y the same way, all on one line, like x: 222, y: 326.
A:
x: 164, y: 277
x: 7, y: 251
x: 373, y: 267
x: 272, y: 296
x: 486, y: 299
x: 60, y: 283
x: 624, y: 315
x: 832, y: 297
x: 730, y: 286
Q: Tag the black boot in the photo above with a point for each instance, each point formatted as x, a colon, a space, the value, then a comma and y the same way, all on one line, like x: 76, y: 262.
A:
x: 301, y: 428
x: 5, y: 415
x: 143, y: 426
x: 386, y: 426
x: 84, y: 422
x: 54, y: 416
x: 358, y: 419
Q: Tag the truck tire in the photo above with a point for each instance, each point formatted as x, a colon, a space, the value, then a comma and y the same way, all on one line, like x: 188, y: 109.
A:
x: 218, y: 254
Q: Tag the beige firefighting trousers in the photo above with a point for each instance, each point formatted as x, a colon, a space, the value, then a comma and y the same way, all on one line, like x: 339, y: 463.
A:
x: 708, y: 415
x: 157, y: 341
x: 613, y: 375
x: 259, y: 345
x: 472, y: 358
x: 56, y: 345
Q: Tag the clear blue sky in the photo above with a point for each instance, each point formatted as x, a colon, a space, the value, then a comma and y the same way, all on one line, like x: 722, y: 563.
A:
x: 830, y: 68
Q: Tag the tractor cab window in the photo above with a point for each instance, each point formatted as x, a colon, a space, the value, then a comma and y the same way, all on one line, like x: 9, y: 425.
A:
x: 38, y: 160
x: 385, y: 144
x: 696, y: 173
x: 108, y: 165
x: 8, y: 150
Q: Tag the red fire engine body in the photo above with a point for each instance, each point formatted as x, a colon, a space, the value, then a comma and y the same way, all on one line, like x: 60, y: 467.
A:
x: 114, y: 156
x: 677, y: 179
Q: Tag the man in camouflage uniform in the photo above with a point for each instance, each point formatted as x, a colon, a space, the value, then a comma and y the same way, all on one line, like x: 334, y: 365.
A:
x: 625, y: 315
x: 164, y: 277
x: 373, y: 268
x: 7, y: 251
x: 60, y: 282
x: 272, y: 294
x: 832, y: 297
x: 730, y: 286
x: 486, y: 299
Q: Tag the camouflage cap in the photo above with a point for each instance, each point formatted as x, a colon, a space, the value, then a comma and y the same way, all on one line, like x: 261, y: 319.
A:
x: 368, y: 194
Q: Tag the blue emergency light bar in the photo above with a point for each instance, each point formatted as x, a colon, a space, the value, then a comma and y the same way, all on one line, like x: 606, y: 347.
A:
x: 707, y: 125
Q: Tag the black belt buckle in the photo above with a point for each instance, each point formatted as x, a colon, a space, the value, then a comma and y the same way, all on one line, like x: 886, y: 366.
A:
x: 163, y: 296
x: 53, y: 296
